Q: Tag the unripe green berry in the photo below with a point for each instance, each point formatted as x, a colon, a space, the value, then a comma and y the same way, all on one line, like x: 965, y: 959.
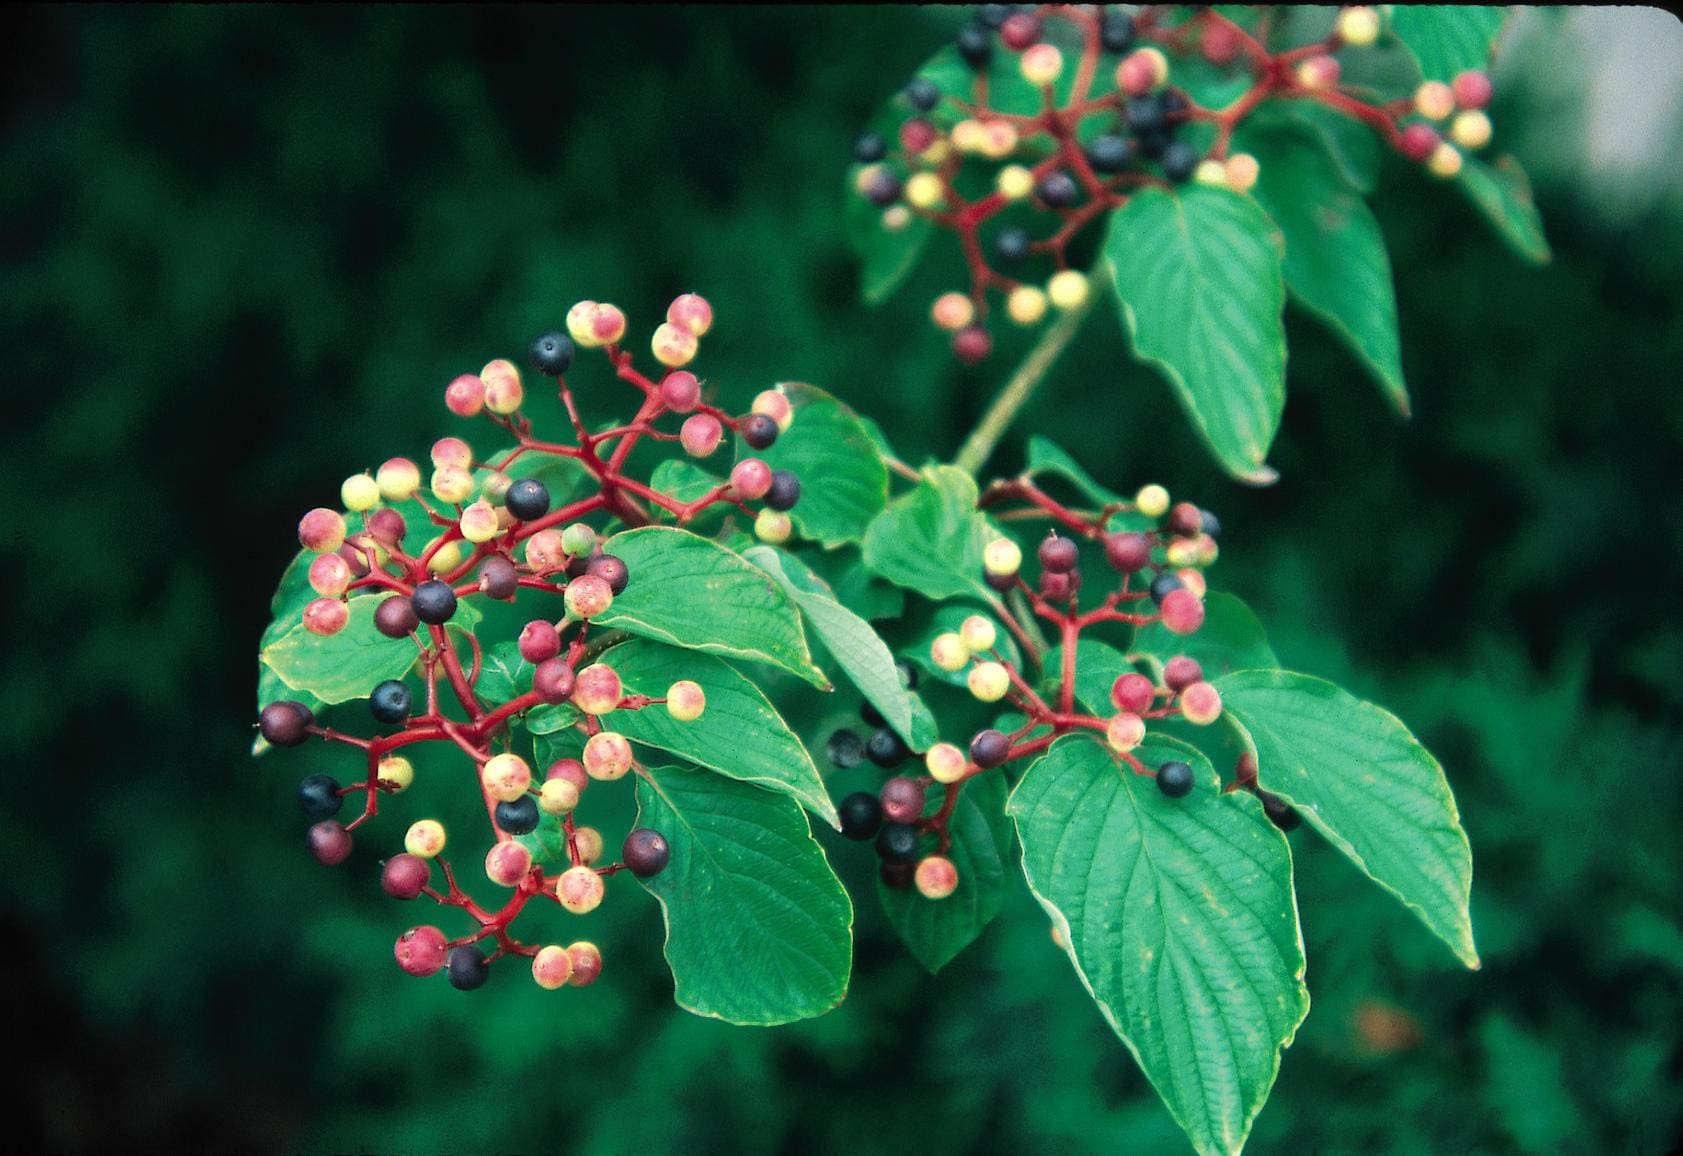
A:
x: 1002, y: 556
x: 578, y: 540
x: 773, y: 526
x: 397, y: 772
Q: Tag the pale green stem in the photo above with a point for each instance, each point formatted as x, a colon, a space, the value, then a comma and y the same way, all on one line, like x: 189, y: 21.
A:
x: 980, y: 444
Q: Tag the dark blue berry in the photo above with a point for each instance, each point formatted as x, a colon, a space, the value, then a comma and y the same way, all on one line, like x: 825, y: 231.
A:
x: 897, y: 876
x: 1179, y: 160
x: 552, y: 353
x: 922, y: 94
x: 886, y: 749
x: 1145, y: 113
x: 871, y: 715
x: 993, y: 15
x: 433, y: 602
x: 1057, y: 189
x: 1110, y: 153
x: 519, y: 817
x: 1154, y: 144
x: 975, y: 45
x: 758, y: 430
x: 468, y: 967
x: 1117, y: 32
x: 869, y: 148
x: 391, y: 701
x: 860, y: 814
x: 319, y: 797
x: 527, y: 499
x: 1174, y: 779
x: 845, y: 748
x: 785, y: 490
x: 1163, y: 585
x: 897, y: 842
x: 1012, y: 244
x: 1212, y: 524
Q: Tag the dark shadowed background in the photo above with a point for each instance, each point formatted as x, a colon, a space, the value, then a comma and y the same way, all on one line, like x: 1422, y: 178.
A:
x: 244, y: 249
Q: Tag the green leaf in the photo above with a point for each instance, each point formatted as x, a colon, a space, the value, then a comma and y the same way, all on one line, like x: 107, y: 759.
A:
x: 347, y: 665
x: 1362, y: 780
x: 869, y: 596
x: 503, y: 675
x: 683, y: 481
x: 547, y: 841
x: 758, y: 928
x: 740, y: 734
x: 937, y: 930
x: 862, y: 656
x: 1336, y: 265
x: 1351, y: 145
x: 550, y: 719
x: 1047, y: 457
x: 887, y: 255
x: 831, y: 451
x: 692, y: 592
x: 931, y: 539
x: 1180, y: 919
x: 1447, y: 38
x: 1230, y: 639
x: 1502, y: 193
x: 1198, y: 277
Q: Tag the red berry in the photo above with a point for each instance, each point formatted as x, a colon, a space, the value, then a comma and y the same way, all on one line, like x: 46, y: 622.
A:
x: 329, y: 842
x: 1021, y: 30
x: 1181, y: 672
x: 1220, y: 43
x: 1132, y: 693
x: 972, y: 344
x: 404, y: 875
x: 1419, y: 141
x: 420, y: 950
x: 1183, y: 613
x: 1127, y: 553
x: 539, y: 641
x: 902, y: 800
x: 553, y: 680
x: 916, y: 135
x: 1059, y: 555
x: 680, y: 391
x: 395, y: 617
x: 1472, y: 89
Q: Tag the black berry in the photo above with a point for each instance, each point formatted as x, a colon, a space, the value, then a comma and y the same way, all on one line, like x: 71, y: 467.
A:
x: 646, y: 852
x: 758, y: 430
x: 869, y: 148
x: 845, y: 748
x: 1012, y: 244
x: 975, y: 45
x: 391, y: 701
x: 1163, y: 585
x: 897, y: 842
x: 285, y: 723
x: 527, y: 499
x: 497, y: 578
x: 1145, y: 114
x: 886, y: 749
x: 897, y: 876
x: 468, y: 967
x: 1057, y: 189
x: 552, y: 353
x: 860, y: 814
x: 519, y: 817
x: 1117, y: 32
x: 1174, y: 779
x: 869, y: 712
x: 1059, y: 555
x: 1279, y: 812
x: 1212, y: 524
x: 611, y: 569
x: 1155, y: 144
x: 989, y: 748
x: 1179, y: 160
x: 1110, y: 153
x: 785, y: 489
x: 319, y: 797
x: 922, y: 94
x: 395, y: 617
x: 433, y: 602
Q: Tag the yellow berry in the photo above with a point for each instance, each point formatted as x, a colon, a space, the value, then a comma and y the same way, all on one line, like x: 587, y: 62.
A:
x: 398, y: 479
x: 1041, y: 64
x: 425, y: 838
x: 685, y: 700
x: 360, y: 492
x: 557, y: 797
x: 1358, y: 27
x: 946, y: 763
x: 506, y: 777
x: 988, y: 681
x: 952, y: 311
x: 1002, y: 556
x: 1470, y: 130
x: 773, y: 526
x: 896, y: 217
x: 445, y: 558
x: 1193, y: 580
x: 673, y: 345
x: 978, y: 633
x: 925, y: 191
x: 1445, y: 161
x: 998, y: 140
x: 579, y: 889
x: 1152, y: 501
x: 503, y: 391
x: 479, y: 522
x: 397, y: 771
x: 452, y: 484
x: 1014, y: 182
x: 1025, y: 305
x: 949, y: 653
x: 1068, y: 289
x: 1434, y: 100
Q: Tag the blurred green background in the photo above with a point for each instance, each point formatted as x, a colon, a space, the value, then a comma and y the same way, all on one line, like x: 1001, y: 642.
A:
x: 242, y: 251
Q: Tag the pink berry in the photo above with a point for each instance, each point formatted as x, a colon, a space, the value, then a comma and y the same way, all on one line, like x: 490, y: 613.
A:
x: 751, y: 478
x: 404, y: 875
x: 387, y: 526
x: 917, y: 134
x: 701, y: 434
x: 692, y: 312
x: 507, y: 863
x: 1132, y: 693
x: 1020, y: 30
x: 326, y: 616
x: 465, y: 396
x: 539, y: 641
x: 329, y: 842
x: 1181, y: 672
x: 1183, y: 613
x: 587, y: 963
x: 420, y: 950
x: 680, y: 391
x: 971, y: 344
x: 1472, y: 89
x: 321, y: 530
x: 1419, y: 141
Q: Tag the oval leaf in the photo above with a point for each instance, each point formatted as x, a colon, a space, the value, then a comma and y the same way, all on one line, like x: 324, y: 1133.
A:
x: 936, y: 930
x: 1230, y: 639
x: 343, y: 666
x: 829, y: 448
x: 740, y: 734
x: 1198, y: 277
x: 1502, y: 193
x: 1366, y: 783
x: 931, y: 539
x: 1180, y: 918
x: 692, y: 592
x: 758, y: 928
x: 1447, y: 38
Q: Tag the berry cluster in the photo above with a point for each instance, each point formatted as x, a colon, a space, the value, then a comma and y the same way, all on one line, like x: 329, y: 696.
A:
x: 1160, y: 580
x: 1111, y: 121
x: 495, y: 537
